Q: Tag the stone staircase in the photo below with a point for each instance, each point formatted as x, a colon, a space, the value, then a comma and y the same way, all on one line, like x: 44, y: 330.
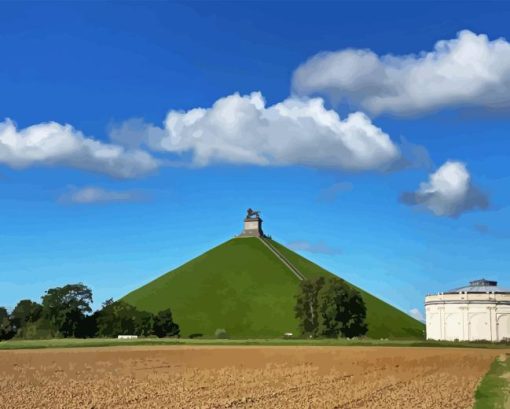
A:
x: 282, y: 258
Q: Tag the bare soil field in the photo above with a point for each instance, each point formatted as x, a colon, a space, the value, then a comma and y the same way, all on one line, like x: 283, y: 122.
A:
x: 242, y: 377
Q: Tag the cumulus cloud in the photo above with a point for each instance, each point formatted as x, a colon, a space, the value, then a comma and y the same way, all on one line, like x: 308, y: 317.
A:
x: 319, y: 247
x: 448, y: 192
x: 416, y: 314
x: 241, y: 129
x: 91, y: 194
x: 469, y: 70
x: 61, y: 145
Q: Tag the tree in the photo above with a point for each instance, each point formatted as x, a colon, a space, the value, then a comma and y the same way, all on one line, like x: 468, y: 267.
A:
x: 306, y: 306
x: 164, y: 325
x: 342, y: 311
x: 116, y: 318
x: 7, y: 330
x: 40, y: 329
x: 66, y: 307
x: 121, y: 318
x: 87, y: 327
x: 25, y: 311
x: 144, y: 323
x: 330, y: 308
x: 108, y: 302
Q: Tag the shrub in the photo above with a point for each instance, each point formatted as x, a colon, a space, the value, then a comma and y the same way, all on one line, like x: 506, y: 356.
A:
x: 41, y: 329
x: 164, y: 325
x: 221, y: 333
x: 7, y: 330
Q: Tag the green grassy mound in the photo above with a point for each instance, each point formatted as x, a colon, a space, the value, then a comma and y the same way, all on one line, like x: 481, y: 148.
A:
x: 243, y: 287
x: 239, y: 286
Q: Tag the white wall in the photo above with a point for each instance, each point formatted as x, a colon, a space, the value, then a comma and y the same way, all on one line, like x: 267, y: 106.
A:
x: 503, y: 325
x: 468, y: 317
x: 251, y: 225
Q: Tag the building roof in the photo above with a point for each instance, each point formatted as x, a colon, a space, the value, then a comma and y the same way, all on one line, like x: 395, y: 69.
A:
x: 480, y: 286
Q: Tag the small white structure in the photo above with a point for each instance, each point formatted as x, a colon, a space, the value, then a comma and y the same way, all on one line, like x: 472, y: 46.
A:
x: 127, y: 337
x: 479, y: 311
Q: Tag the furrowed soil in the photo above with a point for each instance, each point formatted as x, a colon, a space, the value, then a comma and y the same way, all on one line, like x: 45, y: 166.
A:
x: 242, y: 377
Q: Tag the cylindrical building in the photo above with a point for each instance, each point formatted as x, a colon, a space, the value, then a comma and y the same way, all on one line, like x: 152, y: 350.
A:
x: 479, y: 311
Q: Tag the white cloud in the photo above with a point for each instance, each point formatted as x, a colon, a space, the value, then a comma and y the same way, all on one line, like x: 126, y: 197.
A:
x: 319, y: 247
x: 469, y: 70
x: 243, y: 130
x: 91, y: 194
x: 61, y: 145
x: 448, y: 192
x: 416, y: 314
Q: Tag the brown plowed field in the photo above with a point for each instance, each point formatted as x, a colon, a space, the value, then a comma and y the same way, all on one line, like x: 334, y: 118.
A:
x: 242, y: 377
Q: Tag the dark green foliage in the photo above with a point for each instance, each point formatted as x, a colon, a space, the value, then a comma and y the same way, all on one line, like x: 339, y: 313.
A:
x: 65, y: 307
x: 41, y: 329
x: 116, y: 318
x: 7, y: 330
x: 108, y: 302
x: 341, y: 310
x: 87, y: 327
x: 164, y: 326
x: 306, y: 306
x: 330, y: 308
x: 144, y: 323
x: 120, y: 318
x: 25, y: 311
x: 65, y: 313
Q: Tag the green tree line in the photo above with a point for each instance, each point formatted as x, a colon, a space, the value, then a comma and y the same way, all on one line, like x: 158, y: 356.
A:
x: 324, y: 307
x: 66, y: 312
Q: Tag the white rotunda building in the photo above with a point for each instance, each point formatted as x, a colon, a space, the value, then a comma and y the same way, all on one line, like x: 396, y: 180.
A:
x: 479, y: 311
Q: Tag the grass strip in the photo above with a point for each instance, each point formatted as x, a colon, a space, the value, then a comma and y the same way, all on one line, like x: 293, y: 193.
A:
x: 108, y: 342
x: 493, y: 392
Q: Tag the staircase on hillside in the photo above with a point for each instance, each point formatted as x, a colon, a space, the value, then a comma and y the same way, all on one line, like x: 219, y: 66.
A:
x: 282, y: 258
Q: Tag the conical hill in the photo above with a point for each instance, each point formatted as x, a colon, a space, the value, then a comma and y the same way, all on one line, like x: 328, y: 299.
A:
x: 248, y: 287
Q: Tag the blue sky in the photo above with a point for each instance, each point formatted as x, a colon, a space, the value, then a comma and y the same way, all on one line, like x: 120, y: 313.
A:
x: 371, y: 148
